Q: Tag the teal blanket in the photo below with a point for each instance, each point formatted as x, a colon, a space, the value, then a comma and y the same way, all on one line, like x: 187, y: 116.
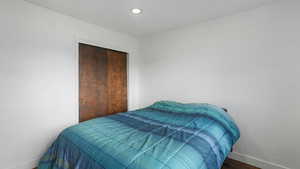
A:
x: 166, y: 135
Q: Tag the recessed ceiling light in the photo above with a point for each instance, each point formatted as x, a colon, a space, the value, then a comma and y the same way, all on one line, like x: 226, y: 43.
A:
x: 136, y: 11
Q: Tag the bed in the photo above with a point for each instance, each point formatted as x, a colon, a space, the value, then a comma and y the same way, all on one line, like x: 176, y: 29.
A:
x: 165, y: 135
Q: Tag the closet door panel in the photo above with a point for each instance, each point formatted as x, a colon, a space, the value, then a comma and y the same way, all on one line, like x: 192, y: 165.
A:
x: 93, y: 82
x: 117, y: 81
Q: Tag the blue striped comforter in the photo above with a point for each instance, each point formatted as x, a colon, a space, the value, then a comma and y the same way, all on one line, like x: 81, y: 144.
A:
x: 166, y: 135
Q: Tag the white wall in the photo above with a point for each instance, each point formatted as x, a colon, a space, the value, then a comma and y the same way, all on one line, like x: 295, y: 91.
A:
x: 39, y: 77
x: 248, y: 63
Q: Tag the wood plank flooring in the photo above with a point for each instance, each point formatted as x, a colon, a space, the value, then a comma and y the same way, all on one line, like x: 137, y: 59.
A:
x: 233, y: 164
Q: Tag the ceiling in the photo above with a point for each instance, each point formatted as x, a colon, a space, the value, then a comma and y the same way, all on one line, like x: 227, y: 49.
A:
x: 157, y: 15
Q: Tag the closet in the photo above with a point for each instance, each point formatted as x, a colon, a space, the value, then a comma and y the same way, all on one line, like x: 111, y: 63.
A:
x: 102, y: 82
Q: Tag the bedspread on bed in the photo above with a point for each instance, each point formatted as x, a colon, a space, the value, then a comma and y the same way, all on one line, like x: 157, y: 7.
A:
x: 166, y: 135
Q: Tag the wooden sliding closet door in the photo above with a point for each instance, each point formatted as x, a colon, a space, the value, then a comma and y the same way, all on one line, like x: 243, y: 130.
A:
x: 117, y: 81
x: 102, y: 82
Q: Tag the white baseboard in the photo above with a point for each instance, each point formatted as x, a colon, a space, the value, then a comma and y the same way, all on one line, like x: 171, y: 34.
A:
x: 27, y: 165
x: 255, y: 161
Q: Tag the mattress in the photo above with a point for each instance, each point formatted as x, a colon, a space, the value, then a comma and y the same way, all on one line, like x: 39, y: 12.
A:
x: 165, y: 135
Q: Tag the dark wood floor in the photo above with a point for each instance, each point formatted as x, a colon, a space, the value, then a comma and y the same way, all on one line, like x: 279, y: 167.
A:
x: 233, y: 164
